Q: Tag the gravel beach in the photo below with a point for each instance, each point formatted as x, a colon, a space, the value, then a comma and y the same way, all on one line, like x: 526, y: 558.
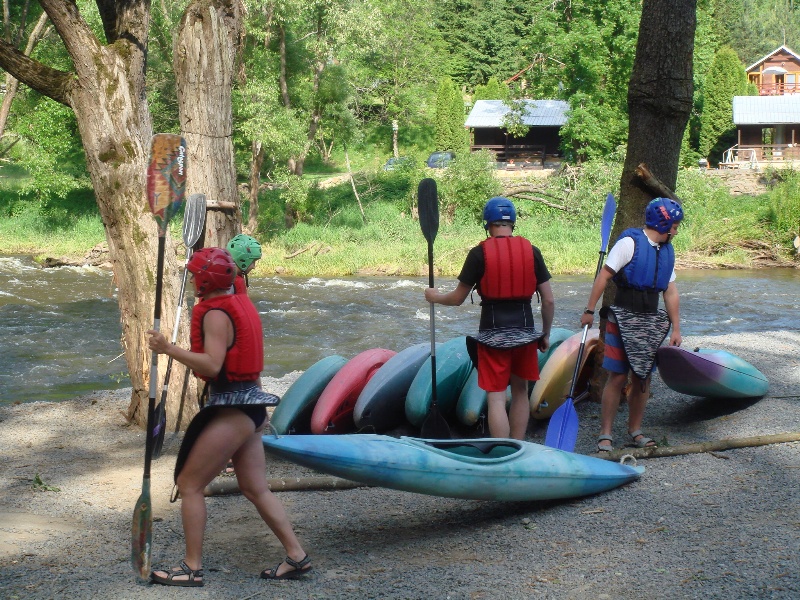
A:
x: 705, y: 525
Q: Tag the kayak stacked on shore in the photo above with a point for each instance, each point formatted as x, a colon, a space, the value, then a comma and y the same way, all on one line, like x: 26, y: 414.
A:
x: 380, y: 390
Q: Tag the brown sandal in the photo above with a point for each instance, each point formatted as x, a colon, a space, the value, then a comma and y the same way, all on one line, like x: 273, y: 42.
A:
x: 297, y: 571
x: 191, y: 581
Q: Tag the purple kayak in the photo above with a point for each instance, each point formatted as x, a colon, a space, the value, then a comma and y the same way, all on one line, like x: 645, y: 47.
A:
x: 709, y: 373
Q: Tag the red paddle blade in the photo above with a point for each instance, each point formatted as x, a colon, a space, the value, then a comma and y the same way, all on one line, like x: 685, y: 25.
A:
x: 166, y: 177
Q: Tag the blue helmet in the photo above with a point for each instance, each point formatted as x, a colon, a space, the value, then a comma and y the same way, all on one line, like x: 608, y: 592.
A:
x: 499, y: 209
x: 662, y: 213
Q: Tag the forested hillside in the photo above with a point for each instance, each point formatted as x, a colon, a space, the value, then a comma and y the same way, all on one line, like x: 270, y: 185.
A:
x: 318, y: 77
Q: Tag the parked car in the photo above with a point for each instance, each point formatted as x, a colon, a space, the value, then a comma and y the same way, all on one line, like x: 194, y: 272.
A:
x: 440, y: 160
x: 400, y: 162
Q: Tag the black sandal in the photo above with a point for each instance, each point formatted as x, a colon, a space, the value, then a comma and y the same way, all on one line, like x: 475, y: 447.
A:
x: 296, y: 573
x: 190, y: 581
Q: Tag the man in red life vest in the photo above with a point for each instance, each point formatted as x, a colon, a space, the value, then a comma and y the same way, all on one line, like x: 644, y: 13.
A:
x: 506, y: 270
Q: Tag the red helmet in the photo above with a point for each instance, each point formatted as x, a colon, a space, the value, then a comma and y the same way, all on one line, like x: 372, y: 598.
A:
x: 213, y: 269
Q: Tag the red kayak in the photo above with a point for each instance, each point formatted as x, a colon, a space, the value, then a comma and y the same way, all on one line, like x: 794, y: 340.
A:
x: 333, y: 412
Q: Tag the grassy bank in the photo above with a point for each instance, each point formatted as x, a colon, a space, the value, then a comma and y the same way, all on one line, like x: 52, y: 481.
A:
x: 334, y: 239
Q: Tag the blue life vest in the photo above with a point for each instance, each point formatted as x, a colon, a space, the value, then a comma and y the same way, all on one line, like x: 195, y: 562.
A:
x: 651, y: 267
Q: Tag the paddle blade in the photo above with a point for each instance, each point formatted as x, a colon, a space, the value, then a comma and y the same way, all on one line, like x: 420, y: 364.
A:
x: 562, y: 432
x: 141, y: 533
x: 194, y: 220
x: 166, y: 177
x: 609, y: 210
x: 435, y: 426
x: 428, y: 201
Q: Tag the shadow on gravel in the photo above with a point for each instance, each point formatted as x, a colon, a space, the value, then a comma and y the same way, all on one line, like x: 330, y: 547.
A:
x: 706, y: 409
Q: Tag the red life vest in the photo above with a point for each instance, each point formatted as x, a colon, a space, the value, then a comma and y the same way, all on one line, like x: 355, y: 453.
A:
x: 508, y: 272
x: 239, y: 285
x: 245, y: 359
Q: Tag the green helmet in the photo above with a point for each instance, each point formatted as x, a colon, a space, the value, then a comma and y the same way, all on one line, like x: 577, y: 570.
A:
x: 244, y: 250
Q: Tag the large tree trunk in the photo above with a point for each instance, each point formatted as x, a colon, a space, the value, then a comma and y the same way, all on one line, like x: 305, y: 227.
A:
x: 206, y: 48
x: 107, y: 93
x: 659, y: 104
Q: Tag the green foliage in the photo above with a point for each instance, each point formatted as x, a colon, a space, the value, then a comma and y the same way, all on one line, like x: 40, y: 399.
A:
x: 493, y: 90
x: 593, y: 130
x: 41, y: 486
x: 726, y: 79
x: 49, y: 150
x: 468, y: 183
x: 784, y: 203
x: 450, y: 132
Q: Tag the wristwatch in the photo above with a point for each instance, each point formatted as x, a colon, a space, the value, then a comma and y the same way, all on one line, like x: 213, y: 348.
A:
x: 588, y: 311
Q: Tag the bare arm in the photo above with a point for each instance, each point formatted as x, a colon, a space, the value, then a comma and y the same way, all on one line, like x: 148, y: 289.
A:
x: 455, y: 297
x: 217, y: 337
x: 548, y: 310
x: 598, y: 287
x: 673, y: 306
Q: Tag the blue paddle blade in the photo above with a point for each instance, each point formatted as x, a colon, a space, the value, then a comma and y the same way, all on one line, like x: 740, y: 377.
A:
x: 609, y: 210
x: 562, y: 432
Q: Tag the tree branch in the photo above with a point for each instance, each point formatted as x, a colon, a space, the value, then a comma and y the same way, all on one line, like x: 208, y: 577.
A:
x: 52, y: 83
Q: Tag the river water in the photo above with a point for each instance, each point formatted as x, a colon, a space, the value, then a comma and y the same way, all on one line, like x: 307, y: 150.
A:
x: 60, y: 329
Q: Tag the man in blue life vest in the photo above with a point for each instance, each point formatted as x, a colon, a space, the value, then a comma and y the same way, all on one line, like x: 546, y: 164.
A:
x: 506, y: 270
x: 642, y: 265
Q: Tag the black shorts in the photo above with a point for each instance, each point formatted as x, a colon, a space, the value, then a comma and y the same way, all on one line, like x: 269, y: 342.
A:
x: 258, y: 414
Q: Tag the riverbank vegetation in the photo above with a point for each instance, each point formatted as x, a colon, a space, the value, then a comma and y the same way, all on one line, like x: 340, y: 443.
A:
x: 377, y: 233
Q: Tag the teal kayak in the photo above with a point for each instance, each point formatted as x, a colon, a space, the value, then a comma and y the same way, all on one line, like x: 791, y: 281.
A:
x: 293, y: 414
x: 473, y: 469
x: 453, y: 366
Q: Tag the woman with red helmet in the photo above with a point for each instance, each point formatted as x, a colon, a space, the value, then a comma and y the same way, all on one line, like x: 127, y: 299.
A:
x: 642, y: 264
x: 227, y: 352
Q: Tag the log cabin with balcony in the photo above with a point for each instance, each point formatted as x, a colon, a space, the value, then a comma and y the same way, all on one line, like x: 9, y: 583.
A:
x: 768, y: 125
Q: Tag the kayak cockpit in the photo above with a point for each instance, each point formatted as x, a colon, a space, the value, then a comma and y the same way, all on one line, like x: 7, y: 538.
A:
x: 478, y: 448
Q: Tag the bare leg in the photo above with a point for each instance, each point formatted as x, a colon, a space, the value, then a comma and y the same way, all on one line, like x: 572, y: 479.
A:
x: 250, y: 466
x: 637, y: 400
x: 610, y: 402
x: 520, y: 411
x: 216, y: 443
x: 498, y: 418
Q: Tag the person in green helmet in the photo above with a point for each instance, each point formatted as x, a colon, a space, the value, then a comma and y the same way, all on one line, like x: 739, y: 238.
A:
x: 245, y: 251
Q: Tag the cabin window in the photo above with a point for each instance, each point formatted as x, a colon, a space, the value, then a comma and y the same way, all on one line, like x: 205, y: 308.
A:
x: 790, y: 79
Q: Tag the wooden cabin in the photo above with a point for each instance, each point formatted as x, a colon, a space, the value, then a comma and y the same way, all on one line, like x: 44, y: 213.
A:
x: 544, y: 119
x: 768, y: 125
x: 776, y: 74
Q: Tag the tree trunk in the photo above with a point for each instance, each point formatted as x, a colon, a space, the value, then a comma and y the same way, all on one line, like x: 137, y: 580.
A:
x: 659, y: 105
x: 106, y: 91
x: 206, y: 47
x: 256, y: 161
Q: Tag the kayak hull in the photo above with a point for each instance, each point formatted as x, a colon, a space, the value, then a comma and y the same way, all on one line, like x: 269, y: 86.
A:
x: 293, y: 414
x: 333, y: 412
x: 473, y: 469
x: 453, y: 366
x: 555, y: 379
x: 709, y: 373
x: 381, y: 404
